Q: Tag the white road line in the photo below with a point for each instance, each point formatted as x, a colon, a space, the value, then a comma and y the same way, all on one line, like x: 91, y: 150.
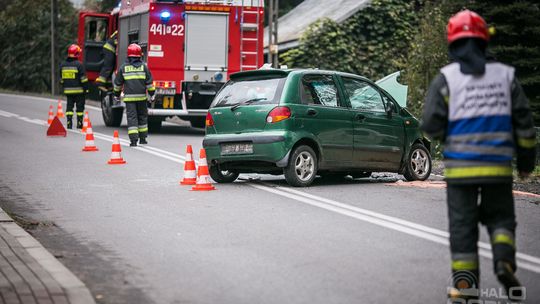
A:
x: 529, y: 262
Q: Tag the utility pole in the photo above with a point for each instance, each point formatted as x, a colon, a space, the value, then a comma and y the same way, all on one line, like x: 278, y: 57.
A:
x: 273, y: 9
x: 54, y: 16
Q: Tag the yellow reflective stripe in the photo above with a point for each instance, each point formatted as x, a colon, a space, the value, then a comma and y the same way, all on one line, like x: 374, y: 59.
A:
x: 464, y: 265
x: 151, y: 88
x: 527, y: 143
x: 143, y: 130
x: 69, y: 113
x: 478, y: 171
x: 127, y: 99
x: 84, y: 79
x: 109, y: 47
x: 72, y: 69
x: 133, y: 131
x: 130, y: 77
x: 503, y: 239
x: 73, y: 91
x: 80, y: 113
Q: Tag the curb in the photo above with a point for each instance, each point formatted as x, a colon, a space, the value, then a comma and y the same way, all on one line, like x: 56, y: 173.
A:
x: 74, y: 288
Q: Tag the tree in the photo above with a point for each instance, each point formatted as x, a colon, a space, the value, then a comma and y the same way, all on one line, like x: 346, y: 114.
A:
x: 374, y: 42
x: 25, y: 40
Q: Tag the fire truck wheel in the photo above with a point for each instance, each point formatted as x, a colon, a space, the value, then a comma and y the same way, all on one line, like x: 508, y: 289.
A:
x: 154, y: 124
x: 112, y: 117
x: 198, y: 122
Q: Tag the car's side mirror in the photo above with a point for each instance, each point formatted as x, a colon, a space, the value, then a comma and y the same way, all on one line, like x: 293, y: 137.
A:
x: 390, y: 108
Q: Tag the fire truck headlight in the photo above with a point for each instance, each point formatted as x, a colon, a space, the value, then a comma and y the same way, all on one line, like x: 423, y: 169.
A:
x: 218, y: 76
x: 165, y: 16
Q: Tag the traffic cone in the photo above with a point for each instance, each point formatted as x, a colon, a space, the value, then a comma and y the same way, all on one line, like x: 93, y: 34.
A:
x: 59, y: 110
x: 203, y: 176
x: 190, y: 171
x: 85, y: 122
x: 51, y: 115
x: 116, y: 157
x: 89, y: 145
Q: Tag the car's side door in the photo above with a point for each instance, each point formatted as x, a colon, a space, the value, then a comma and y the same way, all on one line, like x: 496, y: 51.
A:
x: 324, y: 114
x: 378, y: 136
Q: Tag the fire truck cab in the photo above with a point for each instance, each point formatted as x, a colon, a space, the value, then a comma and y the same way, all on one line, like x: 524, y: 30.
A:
x: 191, y: 47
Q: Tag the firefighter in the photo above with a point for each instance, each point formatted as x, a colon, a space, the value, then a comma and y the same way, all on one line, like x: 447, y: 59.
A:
x: 136, y: 79
x: 104, y: 82
x: 75, y: 85
x: 477, y: 107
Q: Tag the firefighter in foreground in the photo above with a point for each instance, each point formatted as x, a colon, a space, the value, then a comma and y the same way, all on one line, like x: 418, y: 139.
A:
x: 104, y: 82
x: 136, y: 79
x: 75, y: 85
x: 478, y: 109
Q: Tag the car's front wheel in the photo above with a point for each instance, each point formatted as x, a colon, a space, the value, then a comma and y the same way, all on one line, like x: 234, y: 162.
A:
x: 302, y: 167
x: 222, y: 177
x: 418, y: 166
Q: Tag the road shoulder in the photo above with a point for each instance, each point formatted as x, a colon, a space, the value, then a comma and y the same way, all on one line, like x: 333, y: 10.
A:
x: 30, y: 274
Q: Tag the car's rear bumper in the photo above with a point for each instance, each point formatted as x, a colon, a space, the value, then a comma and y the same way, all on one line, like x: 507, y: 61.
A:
x: 270, y: 147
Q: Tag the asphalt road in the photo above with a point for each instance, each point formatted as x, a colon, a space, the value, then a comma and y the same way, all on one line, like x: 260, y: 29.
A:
x: 133, y: 235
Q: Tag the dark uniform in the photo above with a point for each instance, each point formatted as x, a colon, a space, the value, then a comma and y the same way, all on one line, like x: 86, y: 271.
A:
x: 75, y: 85
x: 104, y: 81
x: 136, y: 79
x: 479, y: 110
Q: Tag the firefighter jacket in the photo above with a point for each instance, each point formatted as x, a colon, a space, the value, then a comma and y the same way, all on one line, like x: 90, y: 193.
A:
x: 109, y: 60
x: 482, y: 120
x: 136, y: 79
x: 73, y: 78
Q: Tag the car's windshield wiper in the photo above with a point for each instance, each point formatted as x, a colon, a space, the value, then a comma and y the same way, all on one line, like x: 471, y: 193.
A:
x: 243, y: 103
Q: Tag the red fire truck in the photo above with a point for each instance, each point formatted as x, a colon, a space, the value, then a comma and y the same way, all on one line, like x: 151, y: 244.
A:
x: 190, y: 46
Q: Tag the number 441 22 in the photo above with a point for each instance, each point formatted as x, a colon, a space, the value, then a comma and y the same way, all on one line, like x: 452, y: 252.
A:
x: 162, y: 29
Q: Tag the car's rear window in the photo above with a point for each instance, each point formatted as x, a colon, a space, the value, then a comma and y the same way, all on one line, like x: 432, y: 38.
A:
x: 260, y: 91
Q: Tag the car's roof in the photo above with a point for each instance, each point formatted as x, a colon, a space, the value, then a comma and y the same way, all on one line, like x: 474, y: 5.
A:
x: 286, y: 72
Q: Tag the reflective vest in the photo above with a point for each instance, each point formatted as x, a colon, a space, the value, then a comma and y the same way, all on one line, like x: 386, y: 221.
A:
x: 479, y: 141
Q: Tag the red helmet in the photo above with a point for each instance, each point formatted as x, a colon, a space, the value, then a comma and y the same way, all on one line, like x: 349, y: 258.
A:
x: 466, y: 24
x: 74, y: 51
x: 134, y: 50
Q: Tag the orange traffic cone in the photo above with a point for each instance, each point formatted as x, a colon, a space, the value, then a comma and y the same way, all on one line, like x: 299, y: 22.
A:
x: 59, y: 110
x: 51, y: 115
x: 85, y: 123
x: 190, y: 171
x: 89, y: 145
x: 203, y: 176
x: 116, y: 156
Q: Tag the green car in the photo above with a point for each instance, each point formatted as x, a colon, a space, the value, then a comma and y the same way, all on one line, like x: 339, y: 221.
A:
x: 303, y: 123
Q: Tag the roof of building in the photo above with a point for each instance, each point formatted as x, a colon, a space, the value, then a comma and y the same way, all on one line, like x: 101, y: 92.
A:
x: 294, y: 23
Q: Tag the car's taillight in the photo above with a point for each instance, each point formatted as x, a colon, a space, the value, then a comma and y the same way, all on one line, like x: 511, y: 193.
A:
x: 278, y: 114
x: 209, y: 120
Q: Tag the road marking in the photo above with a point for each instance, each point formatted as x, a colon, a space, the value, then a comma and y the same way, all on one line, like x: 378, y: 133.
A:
x: 524, y: 261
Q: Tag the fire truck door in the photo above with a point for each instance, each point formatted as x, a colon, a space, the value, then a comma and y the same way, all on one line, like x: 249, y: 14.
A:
x: 93, y: 33
x: 206, y: 47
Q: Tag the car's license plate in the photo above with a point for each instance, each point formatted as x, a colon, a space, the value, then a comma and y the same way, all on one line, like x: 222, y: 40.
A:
x: 162, y: 91
x: 237, y: 148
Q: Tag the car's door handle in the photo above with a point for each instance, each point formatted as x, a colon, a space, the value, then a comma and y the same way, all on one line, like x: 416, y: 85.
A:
x: 360, y: 116
x: 311, y: 112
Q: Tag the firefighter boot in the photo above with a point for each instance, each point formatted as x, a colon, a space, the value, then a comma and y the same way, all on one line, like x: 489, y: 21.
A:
x: 142, y: 141
x: 79, y: 121
x: 133, y: 143
x: 69, y: 120
x: 505, y: 274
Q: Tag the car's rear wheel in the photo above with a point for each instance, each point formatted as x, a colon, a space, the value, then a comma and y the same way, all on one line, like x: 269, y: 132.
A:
x: 418, y: 166
x: 302, y: 167
x: 222, y: 177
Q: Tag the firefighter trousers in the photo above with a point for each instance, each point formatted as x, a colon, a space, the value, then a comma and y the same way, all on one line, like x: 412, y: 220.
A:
x: 72, y: 100
x: 137, y: 118
x: 495, y: 211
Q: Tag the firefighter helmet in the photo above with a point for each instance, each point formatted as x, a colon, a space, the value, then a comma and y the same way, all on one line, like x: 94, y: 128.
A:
x: 74, y: 51
x: 466, y: 24
x: 134, y: 50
